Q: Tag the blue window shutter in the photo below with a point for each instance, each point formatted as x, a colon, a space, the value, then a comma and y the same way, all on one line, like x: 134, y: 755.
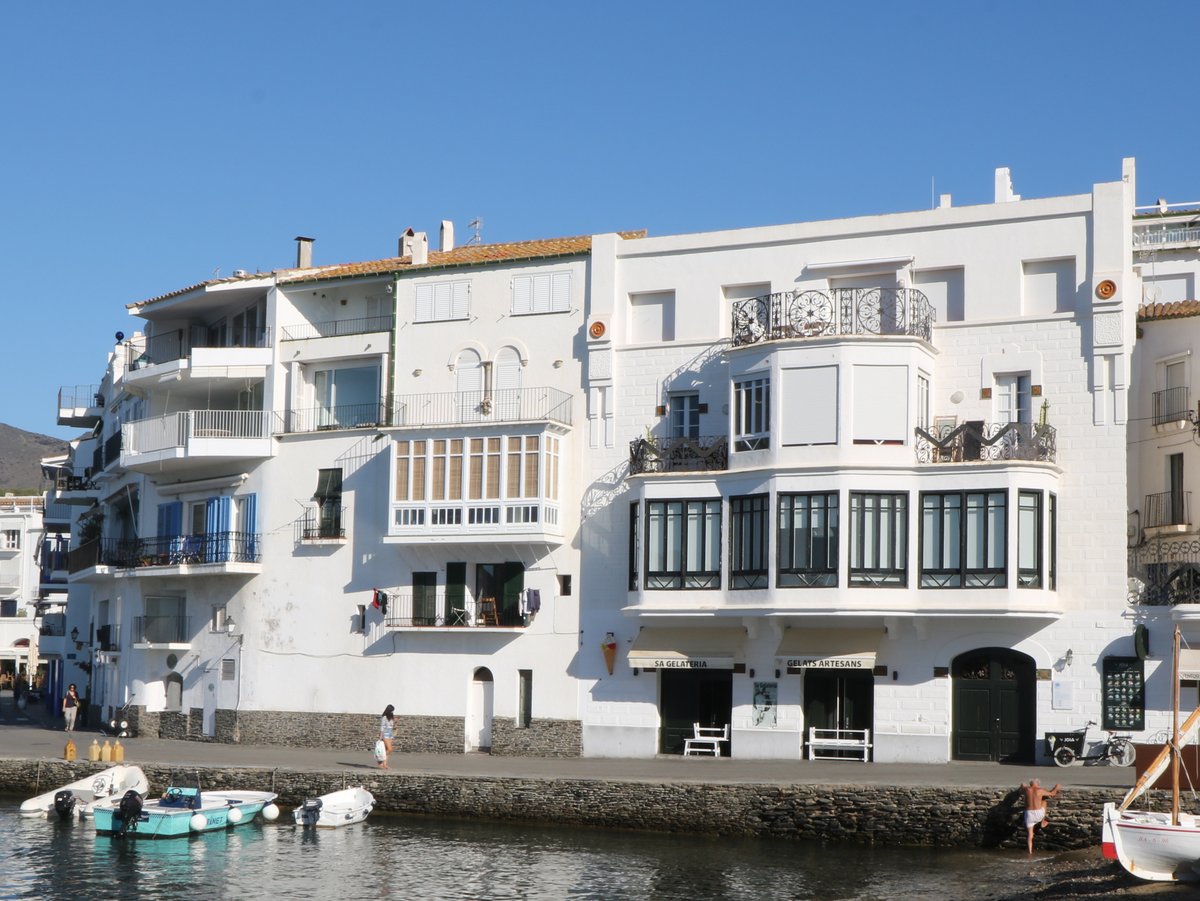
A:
x: 170, y: 519
x: 250, y: 528
x: 216, y: 524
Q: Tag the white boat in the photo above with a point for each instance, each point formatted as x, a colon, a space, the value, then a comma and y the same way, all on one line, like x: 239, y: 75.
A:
x: 82, y: 795
x: 1158, y: 846
x: 340, y: 808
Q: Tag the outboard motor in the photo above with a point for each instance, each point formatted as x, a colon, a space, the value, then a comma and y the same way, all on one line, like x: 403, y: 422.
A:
x: 127, y: 812
x: 64, y: 804
x: 310, y: 812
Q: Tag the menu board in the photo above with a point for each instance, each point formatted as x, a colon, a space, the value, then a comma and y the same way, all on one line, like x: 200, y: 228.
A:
x: 1124, y: 694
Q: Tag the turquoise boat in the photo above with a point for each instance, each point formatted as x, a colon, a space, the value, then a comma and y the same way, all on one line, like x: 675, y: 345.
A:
x: 181, y: 811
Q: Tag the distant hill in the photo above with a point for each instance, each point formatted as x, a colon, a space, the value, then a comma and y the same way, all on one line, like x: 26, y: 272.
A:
x: 20, y: 458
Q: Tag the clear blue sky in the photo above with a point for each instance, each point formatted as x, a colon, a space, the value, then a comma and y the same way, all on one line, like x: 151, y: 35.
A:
x: 148, y: 145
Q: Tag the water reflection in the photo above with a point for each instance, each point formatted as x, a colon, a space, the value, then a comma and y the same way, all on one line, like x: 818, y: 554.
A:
x: 406, y: 857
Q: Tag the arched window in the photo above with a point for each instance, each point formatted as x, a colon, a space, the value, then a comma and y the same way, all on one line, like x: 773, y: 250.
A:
x: 507, y: 384
x: 468, y: 373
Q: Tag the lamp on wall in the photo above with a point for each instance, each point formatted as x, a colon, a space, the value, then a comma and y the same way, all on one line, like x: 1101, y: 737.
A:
x: 1069, y: 656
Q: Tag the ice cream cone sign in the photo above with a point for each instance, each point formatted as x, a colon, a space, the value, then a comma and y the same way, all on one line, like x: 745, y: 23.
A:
x: 609, y: 646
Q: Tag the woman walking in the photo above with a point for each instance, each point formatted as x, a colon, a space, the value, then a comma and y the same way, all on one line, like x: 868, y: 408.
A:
x: 386, y: 731
x: 70, y: 706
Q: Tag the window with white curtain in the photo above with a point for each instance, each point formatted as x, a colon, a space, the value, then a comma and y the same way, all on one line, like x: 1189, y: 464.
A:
x: 878, y: 540
x: 1029, y: 539
x: 963, y: 540
x: 683, y: 544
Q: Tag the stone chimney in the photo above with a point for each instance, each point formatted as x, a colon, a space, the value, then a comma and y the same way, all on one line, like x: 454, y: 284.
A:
x: 1004, y: 186
x: 404, y: 246
x: 304, y: 252
x: 447, y: 236
x: 420, y: 249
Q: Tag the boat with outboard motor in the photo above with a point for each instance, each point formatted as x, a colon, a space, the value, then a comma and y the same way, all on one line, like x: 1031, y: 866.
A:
x: 1158, y: 846
x: 339, y: 808
x: 81, y: 796
x: 181, y: 811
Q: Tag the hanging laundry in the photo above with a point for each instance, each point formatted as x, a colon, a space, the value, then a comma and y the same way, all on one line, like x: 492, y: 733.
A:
x: 533, y: 599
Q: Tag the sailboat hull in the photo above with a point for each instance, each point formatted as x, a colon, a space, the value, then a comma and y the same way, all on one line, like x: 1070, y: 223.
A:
x: 1149, y: 847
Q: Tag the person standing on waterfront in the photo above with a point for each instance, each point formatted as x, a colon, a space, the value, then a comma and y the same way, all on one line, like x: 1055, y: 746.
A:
x: 70, y: 706
x: 386, y: 732
x: 1035, y: 806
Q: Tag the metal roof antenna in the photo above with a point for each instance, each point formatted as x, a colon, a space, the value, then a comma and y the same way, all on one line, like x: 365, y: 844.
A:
x: 477, y: 225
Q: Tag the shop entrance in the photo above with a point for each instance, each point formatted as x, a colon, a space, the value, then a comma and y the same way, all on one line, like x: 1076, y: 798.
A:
x: 839, y: 699
x: 994, y: 706
x: 689, y: 696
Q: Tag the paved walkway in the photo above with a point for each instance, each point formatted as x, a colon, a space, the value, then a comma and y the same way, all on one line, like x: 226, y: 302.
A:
x: 28, y: 740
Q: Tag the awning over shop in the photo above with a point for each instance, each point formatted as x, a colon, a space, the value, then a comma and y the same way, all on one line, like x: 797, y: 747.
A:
x: 1189, y: 664
x: 715, y: 648
x: 828, y: 649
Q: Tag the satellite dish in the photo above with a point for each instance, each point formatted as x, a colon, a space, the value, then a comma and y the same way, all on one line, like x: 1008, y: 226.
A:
x: 120, y: 336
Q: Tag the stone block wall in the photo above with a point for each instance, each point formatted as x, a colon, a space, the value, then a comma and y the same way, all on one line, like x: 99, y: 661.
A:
x: 358, y: 731
x: 878, y: 814
x: 541, y: 738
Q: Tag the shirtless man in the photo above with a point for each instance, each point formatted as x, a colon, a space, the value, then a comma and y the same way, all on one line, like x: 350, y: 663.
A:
x: 1035, y: 806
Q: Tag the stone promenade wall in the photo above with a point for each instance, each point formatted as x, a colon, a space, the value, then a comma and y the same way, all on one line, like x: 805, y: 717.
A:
x: 891, y: 815
x: 358, y: 732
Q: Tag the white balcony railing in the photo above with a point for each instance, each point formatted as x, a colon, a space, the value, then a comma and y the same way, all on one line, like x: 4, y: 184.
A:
x: 525, y: 517
x: 177, y: 430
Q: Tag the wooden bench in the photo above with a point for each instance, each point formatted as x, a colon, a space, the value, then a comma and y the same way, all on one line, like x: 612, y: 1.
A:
x: 829, y: 744
x: 705, y: 740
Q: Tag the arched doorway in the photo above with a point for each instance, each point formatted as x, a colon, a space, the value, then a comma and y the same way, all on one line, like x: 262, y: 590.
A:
x: 479, y: 711
x: 507, y: 378
x: 994, y: 706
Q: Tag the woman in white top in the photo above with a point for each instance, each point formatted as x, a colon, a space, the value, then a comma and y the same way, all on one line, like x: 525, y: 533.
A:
x: 386, y: 731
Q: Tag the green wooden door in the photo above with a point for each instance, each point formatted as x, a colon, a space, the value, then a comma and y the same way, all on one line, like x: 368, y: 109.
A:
x: 994, y: 706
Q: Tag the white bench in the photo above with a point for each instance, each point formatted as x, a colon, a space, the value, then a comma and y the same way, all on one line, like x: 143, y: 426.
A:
x: 705, y: 740
x: 857, y: 741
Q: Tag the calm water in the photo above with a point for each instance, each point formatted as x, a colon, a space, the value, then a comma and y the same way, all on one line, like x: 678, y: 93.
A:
x: 401, y: 857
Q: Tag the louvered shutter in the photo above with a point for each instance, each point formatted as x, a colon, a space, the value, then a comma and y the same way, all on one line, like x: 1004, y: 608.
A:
x: 424, y: 303
x: 522, y: 294
x: 560, y: 292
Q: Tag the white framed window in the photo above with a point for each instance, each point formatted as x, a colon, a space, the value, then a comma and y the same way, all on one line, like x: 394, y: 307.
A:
x: 685, y: 415
x: 11, y: 540
x: 219, y: 616
x: 443, y: 301
x: 545, y: 292
x: 1012, y: 397
x: 752, y: 414
x: 922, y: 400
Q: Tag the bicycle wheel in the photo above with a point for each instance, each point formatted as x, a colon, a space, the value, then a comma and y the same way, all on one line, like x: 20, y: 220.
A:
x: 1064, y: 756
x: 1122, y: 752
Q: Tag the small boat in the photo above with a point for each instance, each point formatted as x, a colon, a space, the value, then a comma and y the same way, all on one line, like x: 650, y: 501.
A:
x: 182, y: 811
x: 340, y: 808
x: 1158, y: 846
x: 82, y: 795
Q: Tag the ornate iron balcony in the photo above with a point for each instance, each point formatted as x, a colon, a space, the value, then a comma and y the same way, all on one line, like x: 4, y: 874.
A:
x: 977, y: 441
x: 704, y: 454
x: 843, y: 311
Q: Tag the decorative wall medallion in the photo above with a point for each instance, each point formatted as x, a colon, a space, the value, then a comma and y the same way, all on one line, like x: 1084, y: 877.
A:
x: 596, y: 329
x: 1106, y: 289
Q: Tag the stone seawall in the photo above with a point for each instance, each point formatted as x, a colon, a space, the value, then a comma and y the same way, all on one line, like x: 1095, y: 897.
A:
x: 886, y: 815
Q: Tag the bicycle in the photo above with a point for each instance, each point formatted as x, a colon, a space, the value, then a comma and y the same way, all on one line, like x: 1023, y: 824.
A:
x: 1067, y: 748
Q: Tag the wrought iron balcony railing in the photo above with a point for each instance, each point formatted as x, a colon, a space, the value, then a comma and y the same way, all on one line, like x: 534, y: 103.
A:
x: 1168, y: 508
x: 976, y: 441
x: 708, y: 453
x: 171, y: 550
x: 843, y: 311
x: 1172, y: 405
x: 321, y: 525
x: 162, y: 629
x: 336, y: 328
x: 433, y: 609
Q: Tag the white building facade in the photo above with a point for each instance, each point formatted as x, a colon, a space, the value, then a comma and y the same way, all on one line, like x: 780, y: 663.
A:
x: 843, y: 457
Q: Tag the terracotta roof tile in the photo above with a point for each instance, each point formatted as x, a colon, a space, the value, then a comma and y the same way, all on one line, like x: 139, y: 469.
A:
x: 466, y: 255
x: 1178, y: 309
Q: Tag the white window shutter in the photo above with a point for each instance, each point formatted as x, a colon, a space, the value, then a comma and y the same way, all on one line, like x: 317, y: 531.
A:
x: 424, y: 303
x: 560, y: 293
x: 522, y: 294
x: 461, y: 304
x: 541, y: 294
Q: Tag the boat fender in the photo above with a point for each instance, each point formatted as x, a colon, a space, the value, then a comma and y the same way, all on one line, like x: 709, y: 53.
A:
x: 64, y: 803
x: 198, y: 822
x: 270, y: 813
x: 235, y: 816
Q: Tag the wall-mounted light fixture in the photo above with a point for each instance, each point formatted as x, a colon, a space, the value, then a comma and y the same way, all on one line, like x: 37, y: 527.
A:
x: 416, y: 373
x: 557, y: 364
x: 1069, y: 656
x: 750, y: 673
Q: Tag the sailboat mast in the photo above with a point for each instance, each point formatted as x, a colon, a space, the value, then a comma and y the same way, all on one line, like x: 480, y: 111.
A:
x: 1175, y: 749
